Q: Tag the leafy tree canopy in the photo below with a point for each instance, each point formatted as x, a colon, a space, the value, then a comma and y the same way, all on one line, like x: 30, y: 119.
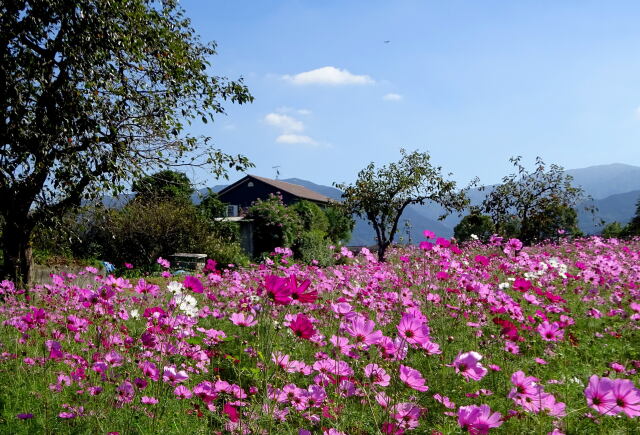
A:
x: 541, y: 202
x: 382, y: 194
x: 96, y: 92
x: 164, y: 185
x: 472, y: 224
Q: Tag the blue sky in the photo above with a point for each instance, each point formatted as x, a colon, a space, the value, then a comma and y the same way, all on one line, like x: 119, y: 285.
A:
x: 471, y: 82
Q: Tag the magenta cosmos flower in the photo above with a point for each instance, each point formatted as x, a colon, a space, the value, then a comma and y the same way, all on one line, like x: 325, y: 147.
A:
x: 193, y: 283
x: 412, y: 378
x: 278, y: 289
x: 302, y: 327
x: 468, y: 365
x: 550, y: 331
x: 478, y: 419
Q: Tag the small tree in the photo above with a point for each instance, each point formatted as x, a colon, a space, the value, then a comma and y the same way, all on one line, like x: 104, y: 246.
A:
x: 164, y: 185
x: 476, y: 224
x: 633, y: 228
x: 340, y: 224
x: 381, y: 195
x: 542, y: 202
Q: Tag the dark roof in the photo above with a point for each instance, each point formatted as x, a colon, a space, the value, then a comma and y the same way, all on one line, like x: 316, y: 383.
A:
x: 294, y: 189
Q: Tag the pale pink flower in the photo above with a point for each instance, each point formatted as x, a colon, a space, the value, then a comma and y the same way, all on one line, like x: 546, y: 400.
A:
x: 412, y: 378
x: 468, y: 365
x: 377, y: 374
x: 478, y: 419
x: 242, y: 319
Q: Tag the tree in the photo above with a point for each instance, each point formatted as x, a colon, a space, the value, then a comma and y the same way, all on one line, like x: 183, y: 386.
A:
x: 340, y: 224
x: 475, y: 223
x: 540, y: 202
x: 633, y: 228
x: 164, y: 185
x: 381, y: 195
x: 613, y: 230
x: 96, y: 93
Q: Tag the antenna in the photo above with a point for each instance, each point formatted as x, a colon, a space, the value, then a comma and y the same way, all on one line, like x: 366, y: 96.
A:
x: 277, y: 168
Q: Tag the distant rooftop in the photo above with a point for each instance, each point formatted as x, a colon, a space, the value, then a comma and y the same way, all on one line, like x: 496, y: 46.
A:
x: 294, y: 189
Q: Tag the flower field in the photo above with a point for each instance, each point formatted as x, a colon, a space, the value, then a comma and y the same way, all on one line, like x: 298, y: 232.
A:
x: 439, y: 339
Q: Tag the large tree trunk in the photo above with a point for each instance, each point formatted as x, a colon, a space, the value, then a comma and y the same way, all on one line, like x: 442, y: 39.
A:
x: 16, y: 247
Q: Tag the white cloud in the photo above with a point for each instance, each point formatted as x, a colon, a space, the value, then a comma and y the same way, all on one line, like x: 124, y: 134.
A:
x: 392, y: 97
x: 304, y: 112
x: 295, y: 139
x: 284, y: 122
x: 638, y: 112
x: 328, y: 75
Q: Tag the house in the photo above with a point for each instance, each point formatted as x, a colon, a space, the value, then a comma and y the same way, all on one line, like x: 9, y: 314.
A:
x: 241, y: 194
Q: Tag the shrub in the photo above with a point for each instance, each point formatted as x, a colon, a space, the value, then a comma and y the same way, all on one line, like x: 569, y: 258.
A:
x: 274, y: 224
x: 340, y: 224
x: 312, y: 245
x: 474, y: 223
x: 312, y: 216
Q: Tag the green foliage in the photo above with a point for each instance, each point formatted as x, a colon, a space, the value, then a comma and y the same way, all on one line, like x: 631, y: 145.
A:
x: 633, y: 229
x: 225, y: 251
x: 164, y: 186
x: 541, y: 202
x: 311, y: 216
x: 340, y: 224
x: 474, y: 223
x: 97, y: 93
x: 211, y: 207
x: 613, y: 230
x: 382, y: 194
x: 312, y: 245
x: 143, y: 231
x: 274, y: 224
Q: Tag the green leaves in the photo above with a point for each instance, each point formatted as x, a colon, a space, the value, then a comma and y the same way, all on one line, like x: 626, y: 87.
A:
x: 382, y: 194
x: 98, y: 92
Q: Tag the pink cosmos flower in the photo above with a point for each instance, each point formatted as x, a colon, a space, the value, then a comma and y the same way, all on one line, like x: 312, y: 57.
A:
x: 173, y: 376
x: 599, y: 394
x: 183, y: 392
x: 550, y: 331
x: 377, y: 374
x: 144, y: 287
x: 412, y: 378
x: 468, y: 365
x: 406, y: 415
x: 429, y: 234
x: 362, y: 330
x: 300, y: 293
x: 242, y: 319
x: 164, y: 263
x: 525, y: 386
x: 278, y: 289
x: 302, y: 327
x: 626, y: 397
x: 413, y: 330
x: 149, y: 400
x: 193, y: 283
x: 478, y: 419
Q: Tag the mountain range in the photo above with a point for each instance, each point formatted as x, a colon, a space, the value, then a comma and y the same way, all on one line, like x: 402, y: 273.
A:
x: 614, y: 190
